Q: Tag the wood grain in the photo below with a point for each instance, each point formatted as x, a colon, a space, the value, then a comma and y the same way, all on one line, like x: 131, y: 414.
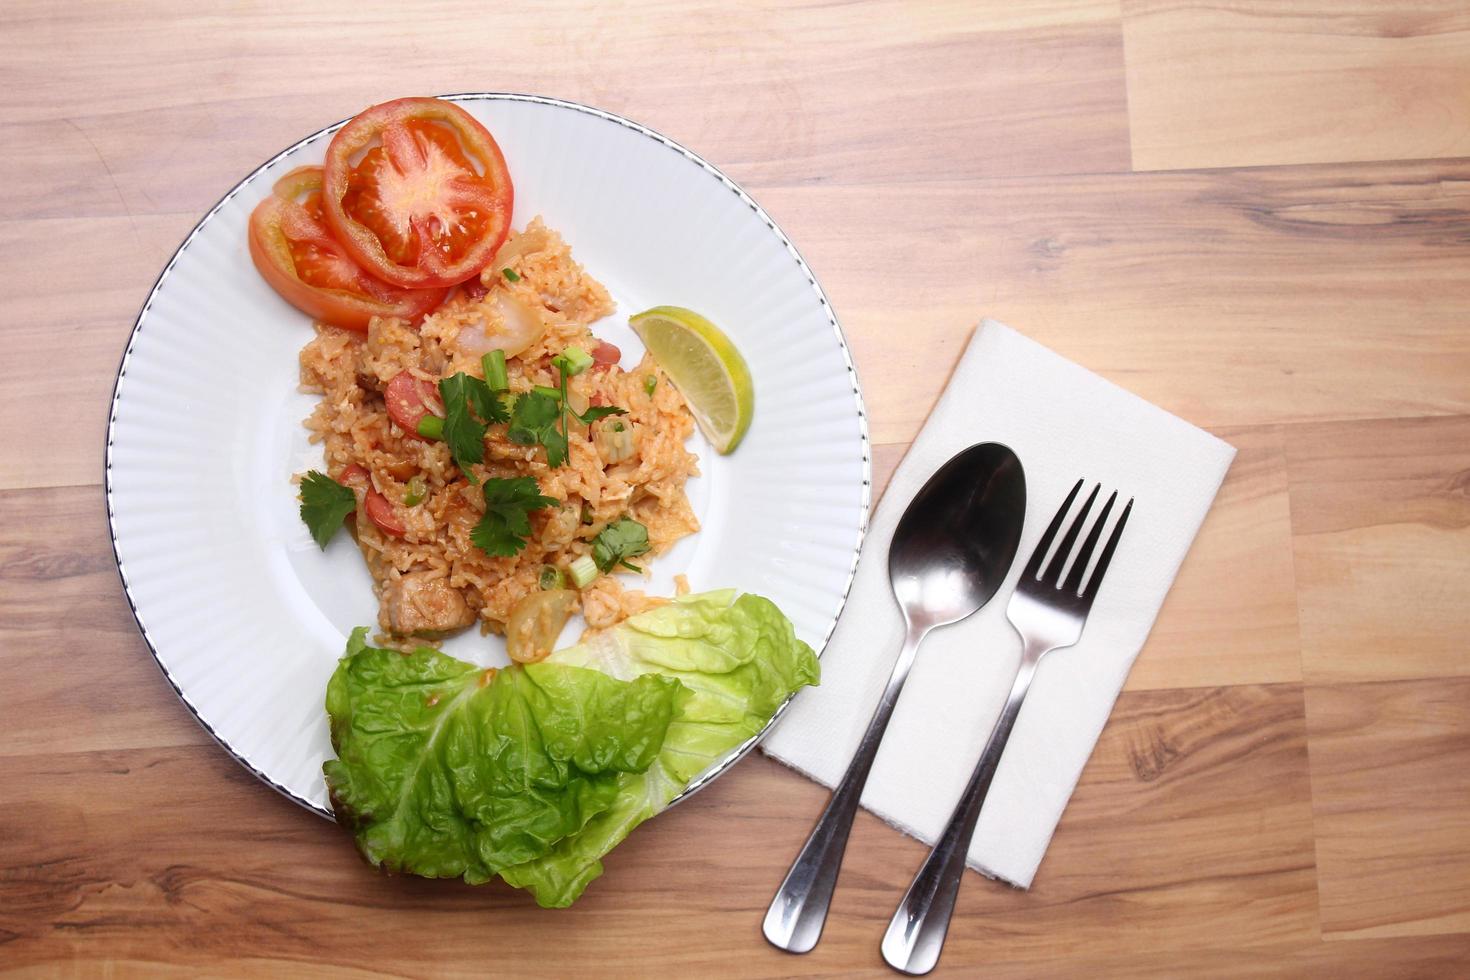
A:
x: 73, y: 325
x: 1381, y: 533
x: 1281, y: 789
x: 1343, y: 81
x: 1231, y: 298
x: 1390, y: 783
x: 89, y: 682
x: 1426, y: 958
x: 228, y: 866
x: 947, y: 90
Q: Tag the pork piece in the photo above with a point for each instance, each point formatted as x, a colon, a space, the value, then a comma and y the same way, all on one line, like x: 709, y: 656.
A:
x: 422, y: 604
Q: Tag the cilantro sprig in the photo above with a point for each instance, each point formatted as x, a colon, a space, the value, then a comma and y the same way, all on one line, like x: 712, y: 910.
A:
x: 470, y: 408
x: 572, y: 362
x: 542, y: 416
x: 533, y: 421
x: 622, y: 539
x: 539, y: 417
x: 596, y: 412
x: 503, y: 530
x: 325, y: 504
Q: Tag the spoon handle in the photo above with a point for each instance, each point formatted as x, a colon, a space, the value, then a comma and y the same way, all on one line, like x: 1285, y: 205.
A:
x: 797, y: 913
x: 916, y: 933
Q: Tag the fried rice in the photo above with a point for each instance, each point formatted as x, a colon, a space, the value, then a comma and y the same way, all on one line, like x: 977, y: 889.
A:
x: 433, y: 580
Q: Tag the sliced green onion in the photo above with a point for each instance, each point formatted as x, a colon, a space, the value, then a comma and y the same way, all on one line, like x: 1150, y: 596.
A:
x: 583, y: 570
x: 552, y: 578
x: 618, y: 427
x: 586, y: 512
x: 431, y: 426
x: 495, y: 375
x: 650, y: 383
x: 576, y: 360
x: 417, y: 490
x: 511, y: 274
x: 548, y: 392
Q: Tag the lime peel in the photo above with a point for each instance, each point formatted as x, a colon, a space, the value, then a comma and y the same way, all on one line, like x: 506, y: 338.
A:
x: 705, y: 366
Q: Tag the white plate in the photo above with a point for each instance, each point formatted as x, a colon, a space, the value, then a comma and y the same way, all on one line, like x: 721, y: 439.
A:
x: 247, y: 617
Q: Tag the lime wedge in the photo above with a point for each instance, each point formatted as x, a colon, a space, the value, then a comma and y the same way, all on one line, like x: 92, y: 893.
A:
x: 706, y: 368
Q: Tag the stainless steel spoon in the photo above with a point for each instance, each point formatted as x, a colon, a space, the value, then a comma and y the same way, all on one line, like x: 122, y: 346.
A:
x: 949, y: 554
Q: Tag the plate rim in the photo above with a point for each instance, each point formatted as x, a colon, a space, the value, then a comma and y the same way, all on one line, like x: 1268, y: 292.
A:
x: 865, y: 503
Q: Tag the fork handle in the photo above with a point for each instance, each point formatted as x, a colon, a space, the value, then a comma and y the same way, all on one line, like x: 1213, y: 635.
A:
x: 916, y: 933
x: 795, y: 918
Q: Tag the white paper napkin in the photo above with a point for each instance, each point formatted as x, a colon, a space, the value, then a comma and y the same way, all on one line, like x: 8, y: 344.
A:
x: 1065, y: 424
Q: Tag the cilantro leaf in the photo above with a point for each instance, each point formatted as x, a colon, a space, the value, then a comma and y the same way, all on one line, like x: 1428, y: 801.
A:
x: 598, y: 412
x: 622, y: 539
x: 325, y: 504
x: 502, y: 532
x: 533, y: 422
x: 485, y: 402
x: 541, y: 417
x: 465, y: 397
x: 556, y: 447
x: 533, y: 412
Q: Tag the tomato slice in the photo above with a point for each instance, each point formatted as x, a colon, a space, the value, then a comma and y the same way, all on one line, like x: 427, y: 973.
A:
x: 418, y: 192
x: 295, y: 252
x: 408, y: 400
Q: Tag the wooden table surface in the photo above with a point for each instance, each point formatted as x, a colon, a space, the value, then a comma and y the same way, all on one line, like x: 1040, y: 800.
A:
x: 1255, y: 214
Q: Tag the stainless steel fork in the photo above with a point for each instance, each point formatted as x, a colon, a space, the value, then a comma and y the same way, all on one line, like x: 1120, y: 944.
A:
x: 1048, y: 611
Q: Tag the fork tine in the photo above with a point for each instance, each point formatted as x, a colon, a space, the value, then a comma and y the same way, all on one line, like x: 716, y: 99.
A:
x: 1084, y: 554
x: 1059, y: 560
x: 1107, y: 554
x: 1033, y: 567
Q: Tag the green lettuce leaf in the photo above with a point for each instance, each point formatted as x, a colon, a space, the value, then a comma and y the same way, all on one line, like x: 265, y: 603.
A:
x: 445, y: 769
x: 536, y: 772
x: 740, y: 659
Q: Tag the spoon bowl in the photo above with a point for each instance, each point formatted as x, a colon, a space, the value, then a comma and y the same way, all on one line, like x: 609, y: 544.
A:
x: 957, y: 539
